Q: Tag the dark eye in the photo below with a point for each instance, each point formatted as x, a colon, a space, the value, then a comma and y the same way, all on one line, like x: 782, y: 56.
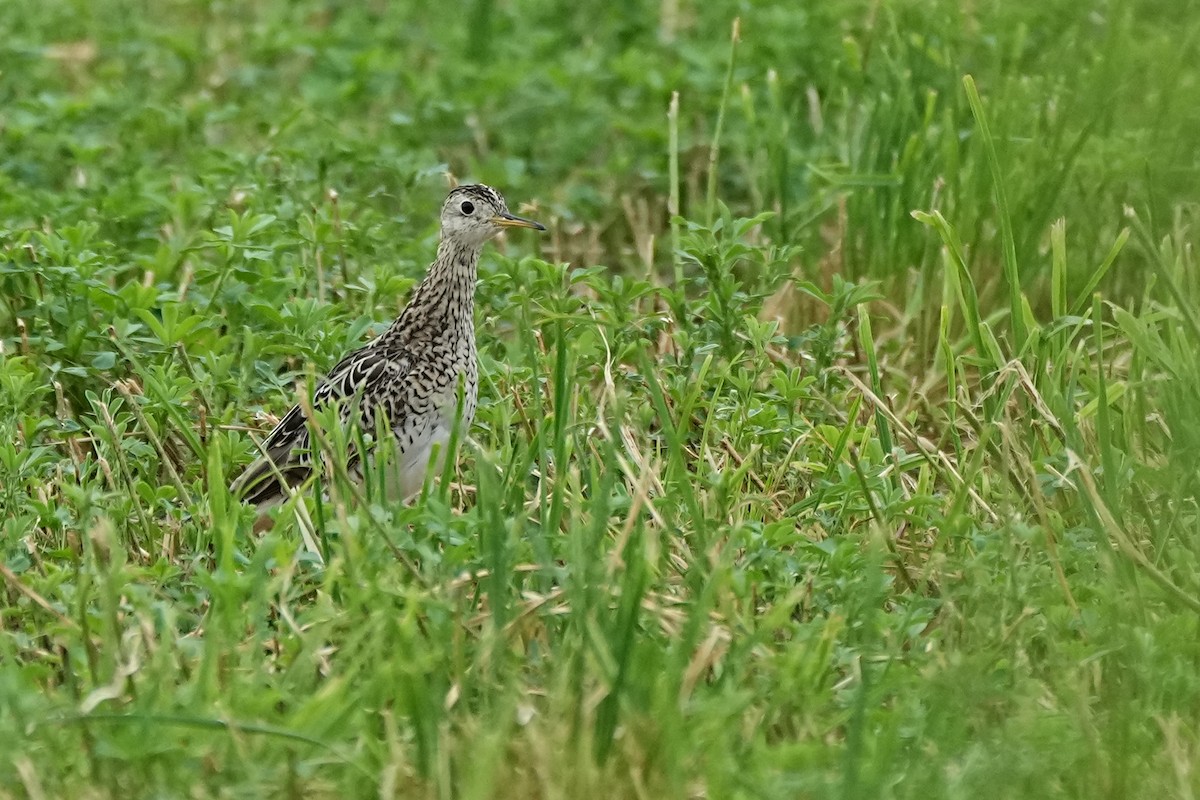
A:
x: 468, y: 207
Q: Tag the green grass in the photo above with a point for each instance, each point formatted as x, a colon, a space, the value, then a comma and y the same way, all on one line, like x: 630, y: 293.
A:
x: 875, y: 472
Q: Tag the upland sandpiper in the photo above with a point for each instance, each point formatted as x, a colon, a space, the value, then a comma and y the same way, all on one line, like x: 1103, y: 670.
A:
x: 409, y: 375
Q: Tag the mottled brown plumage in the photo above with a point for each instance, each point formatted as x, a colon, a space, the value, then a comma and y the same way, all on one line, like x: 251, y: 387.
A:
x: 410, y: 374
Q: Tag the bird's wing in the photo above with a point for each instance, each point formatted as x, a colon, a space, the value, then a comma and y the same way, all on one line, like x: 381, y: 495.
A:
x: 359, y: 383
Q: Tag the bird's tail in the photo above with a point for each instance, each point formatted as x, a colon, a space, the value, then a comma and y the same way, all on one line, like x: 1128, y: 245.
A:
x: 265, y: 483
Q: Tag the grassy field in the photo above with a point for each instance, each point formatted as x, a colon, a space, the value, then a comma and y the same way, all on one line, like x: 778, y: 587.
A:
x: 872, y: 472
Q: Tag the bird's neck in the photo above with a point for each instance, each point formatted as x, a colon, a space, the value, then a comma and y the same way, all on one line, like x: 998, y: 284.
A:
x: 450, y: 282
x: 445, y: 300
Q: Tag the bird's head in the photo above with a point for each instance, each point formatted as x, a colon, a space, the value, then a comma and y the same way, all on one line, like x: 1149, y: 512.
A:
x: 474, y: 213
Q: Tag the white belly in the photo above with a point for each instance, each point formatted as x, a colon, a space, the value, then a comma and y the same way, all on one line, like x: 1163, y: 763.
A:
x: 406, y: 480
x: 411, y: 459
x: 422, y: 441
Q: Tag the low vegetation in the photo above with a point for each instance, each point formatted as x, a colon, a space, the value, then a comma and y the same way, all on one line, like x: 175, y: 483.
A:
x: 840, y: 439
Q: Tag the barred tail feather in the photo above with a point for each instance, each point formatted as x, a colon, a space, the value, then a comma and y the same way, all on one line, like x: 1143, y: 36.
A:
x: 261, y: 484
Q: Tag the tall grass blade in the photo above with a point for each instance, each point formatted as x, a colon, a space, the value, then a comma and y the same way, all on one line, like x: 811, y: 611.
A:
x: 1011, y: 271
x: 714, y: 150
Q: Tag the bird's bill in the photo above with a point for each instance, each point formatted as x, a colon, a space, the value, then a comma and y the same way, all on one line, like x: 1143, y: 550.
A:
x: 507, y: 220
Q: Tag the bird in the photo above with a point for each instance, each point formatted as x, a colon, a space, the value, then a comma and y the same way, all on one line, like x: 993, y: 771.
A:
x: 408, y: 377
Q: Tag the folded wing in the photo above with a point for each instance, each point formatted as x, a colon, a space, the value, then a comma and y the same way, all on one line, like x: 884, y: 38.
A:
x: 360, y: 383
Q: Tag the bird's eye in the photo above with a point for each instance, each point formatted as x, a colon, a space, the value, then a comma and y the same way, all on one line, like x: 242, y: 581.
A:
x: 468, y: 207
